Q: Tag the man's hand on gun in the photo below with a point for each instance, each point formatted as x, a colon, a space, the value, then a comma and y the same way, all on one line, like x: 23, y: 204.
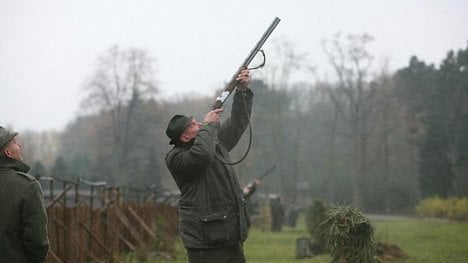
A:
x: 213, y: 116
x: 243, y: 80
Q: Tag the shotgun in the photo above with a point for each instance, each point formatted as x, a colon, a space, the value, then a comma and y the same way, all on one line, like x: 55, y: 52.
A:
x: 233, y: 83
x: 266, y: 173
x: 251, y: 187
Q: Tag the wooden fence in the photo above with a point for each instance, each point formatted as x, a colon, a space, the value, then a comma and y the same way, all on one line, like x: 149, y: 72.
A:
x: 94, y: 222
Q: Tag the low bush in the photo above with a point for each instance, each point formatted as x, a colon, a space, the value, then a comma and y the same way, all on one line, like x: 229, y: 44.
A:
x: 349, y: 235
x: 316, y: 214
x: 449, y: 208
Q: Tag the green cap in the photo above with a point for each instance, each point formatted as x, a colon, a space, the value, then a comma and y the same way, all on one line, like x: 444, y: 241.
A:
x: 6, y: 136
x: 176, y: 127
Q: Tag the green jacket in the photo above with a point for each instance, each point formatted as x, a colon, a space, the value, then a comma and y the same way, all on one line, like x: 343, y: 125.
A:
x: 23, y: 219
x: 212, y: 210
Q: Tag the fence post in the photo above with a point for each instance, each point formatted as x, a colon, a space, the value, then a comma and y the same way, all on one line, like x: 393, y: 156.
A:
x: 92, y: 185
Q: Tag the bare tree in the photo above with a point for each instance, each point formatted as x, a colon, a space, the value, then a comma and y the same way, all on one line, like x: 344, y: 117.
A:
x: 281, y: 66
x: 353, y: 98
x: 121, y: 80
x: 284, y: 62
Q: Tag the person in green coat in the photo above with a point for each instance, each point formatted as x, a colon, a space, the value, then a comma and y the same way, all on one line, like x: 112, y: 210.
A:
x: 23, y: 218
x: 213, y: 217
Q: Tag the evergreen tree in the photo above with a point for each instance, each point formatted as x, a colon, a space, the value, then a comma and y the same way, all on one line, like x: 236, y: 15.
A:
x: 454, y: 80
x: 435, y: 168
x: 80, y: 166
x: 427, y: 98
x: 60, y: 169
x: 38, y: 169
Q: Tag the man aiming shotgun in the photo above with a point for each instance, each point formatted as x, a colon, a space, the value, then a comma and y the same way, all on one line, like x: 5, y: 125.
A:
x: 213, y: 218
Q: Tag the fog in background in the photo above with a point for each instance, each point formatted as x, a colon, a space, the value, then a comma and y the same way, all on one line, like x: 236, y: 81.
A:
x: 48, y: 49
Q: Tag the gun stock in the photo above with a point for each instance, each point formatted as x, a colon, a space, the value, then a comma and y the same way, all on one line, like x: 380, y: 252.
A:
x: 233, y: 83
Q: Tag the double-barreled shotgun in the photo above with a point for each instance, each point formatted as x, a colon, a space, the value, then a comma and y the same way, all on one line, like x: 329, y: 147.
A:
x: 233, y: 83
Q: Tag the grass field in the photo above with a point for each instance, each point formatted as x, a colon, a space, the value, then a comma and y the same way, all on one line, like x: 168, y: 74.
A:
x: 427, y: 241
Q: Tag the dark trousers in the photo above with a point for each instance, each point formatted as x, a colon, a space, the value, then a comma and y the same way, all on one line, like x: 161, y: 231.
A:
x: 233, y: 254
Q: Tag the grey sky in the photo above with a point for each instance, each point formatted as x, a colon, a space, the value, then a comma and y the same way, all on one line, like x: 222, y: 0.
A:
x: 48, y: 48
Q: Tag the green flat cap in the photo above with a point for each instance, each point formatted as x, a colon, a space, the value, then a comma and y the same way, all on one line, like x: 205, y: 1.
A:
x: 176, y: 127
x: 6, y: 136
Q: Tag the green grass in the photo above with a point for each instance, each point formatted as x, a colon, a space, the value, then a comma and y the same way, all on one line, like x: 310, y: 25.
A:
x: 427, y: 241
x: 277, y: 247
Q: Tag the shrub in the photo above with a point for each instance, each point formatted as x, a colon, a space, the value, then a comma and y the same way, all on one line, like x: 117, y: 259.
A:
x: 350, y: 236
x: 450, y: 208
x: 460, y: 209
x: 316, y: 214
x: 432, y: 207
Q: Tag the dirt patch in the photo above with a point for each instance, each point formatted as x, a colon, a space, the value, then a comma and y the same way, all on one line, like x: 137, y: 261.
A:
x: 389, y: 252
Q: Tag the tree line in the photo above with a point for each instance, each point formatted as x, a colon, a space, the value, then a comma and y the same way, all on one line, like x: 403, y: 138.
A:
x: 378, y: 139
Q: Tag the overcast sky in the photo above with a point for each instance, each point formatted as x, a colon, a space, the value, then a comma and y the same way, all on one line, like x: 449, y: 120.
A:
x: 48, y: 48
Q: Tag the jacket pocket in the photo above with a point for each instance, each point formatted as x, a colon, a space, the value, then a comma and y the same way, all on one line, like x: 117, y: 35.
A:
x: 189, y: 227
x: 218, y: 228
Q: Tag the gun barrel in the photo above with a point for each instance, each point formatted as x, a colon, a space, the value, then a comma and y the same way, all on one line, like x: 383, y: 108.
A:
x: 261, y: 41
x: 233, y: 83
x: 267, y: 172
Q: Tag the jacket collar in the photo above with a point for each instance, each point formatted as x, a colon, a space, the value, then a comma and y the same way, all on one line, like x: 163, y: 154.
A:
x: 186, y: 144
x: 16, y: 165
